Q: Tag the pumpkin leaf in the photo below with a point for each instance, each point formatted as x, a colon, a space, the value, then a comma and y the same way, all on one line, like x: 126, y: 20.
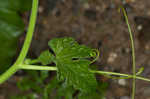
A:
x: 11, y: 26
x: 72, y: 63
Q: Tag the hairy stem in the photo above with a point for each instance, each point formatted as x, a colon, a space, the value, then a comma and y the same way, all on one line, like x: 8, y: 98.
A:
x: 26, y: 45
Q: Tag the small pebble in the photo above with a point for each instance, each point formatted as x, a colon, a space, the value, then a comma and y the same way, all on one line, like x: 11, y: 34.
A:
x: 147, y: 47
x: 40, y: 9
x: 86, y: 6
x: 36, y: 96
x: 112, y: 57
x: 2, y: 97
x: 139, y: 27
x: 122, y: 82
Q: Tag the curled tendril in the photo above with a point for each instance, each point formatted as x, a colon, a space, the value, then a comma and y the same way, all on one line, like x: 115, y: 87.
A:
x: 140, y: 71
x: 95, y: 55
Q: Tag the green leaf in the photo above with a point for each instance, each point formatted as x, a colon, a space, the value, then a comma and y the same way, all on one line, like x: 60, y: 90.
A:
x: 16, y: 5
x: 43, y: 75
x: 50, y: 87
x: 68, y: 48
x: 46, y: 57
x: 24, y: 84
x: 99, y: 94
x: 56, y: 90
x: 11, y: 26
x: 33, y: 81
x: 65, y: 91
x: 21, y: 5
x: 73, y: 65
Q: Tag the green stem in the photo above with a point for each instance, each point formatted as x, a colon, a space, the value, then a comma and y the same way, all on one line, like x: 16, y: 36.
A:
x: 8, y: 73
x: 30, y: 32
x: 119, y: 74
x: 35, y: 67
x: 52, y: 68
x: 26, y: 45
x: 133, y: 54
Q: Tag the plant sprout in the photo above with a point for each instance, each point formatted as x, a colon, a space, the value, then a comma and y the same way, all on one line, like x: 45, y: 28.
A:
x: 66, y: 49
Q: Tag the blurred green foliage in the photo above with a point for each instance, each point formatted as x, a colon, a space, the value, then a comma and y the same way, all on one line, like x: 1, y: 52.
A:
x: 39, y: 84
x: 11, y: 26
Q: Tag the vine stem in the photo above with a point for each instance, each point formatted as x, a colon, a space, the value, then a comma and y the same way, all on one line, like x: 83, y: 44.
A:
x: 133, y: 54
x: 53, y: 68
x: 26, y: 45
x: 30, y: 32
x: 35, y: 67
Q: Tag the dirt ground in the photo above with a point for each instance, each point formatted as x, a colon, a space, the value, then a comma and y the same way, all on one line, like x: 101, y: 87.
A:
x: 98, y: 24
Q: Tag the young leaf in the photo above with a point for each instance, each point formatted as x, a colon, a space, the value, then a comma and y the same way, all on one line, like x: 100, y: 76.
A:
x: 72, y: 63
x: 46, y: 58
